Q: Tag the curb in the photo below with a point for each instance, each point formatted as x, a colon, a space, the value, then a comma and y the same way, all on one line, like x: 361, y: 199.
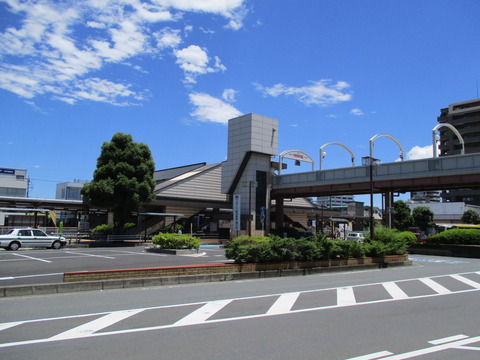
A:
x: 100, y: 285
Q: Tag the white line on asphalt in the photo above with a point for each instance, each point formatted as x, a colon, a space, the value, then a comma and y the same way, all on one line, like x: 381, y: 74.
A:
x: 89, y: 328
x: 435, y: 286
x: 283, y: 304
x: 100, y: 256
x: 472, y: 283
x: 28, y: 276
x: 373, y: 356
x: 202, y: 314
x: 448, y: 339
x: 32, y: 258
x: 345, y: 297
x: 395, y: 291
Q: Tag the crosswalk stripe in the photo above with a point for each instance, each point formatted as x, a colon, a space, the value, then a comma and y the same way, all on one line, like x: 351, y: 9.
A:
x: 283, y: 304
x: 463, y: 279
x: 202, y: 314
x: 345, y: 296
x: 440, y: 289
x: 395, y: 291
x: 95, y: 325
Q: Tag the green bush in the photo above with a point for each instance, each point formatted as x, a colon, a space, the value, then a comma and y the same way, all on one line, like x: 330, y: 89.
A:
x: 103, y: 229
x: 260, y: 249
x: 456, y: 237
x: 176, y: 241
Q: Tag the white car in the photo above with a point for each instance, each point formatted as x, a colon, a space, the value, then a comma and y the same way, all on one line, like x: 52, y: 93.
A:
x: 356, y: 236
x: 17, y: 238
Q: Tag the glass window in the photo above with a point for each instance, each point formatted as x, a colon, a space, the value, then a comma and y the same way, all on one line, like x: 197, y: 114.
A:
x: 38, y: 233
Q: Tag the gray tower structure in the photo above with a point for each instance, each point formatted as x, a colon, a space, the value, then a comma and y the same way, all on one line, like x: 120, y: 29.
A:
x: 246, y: 175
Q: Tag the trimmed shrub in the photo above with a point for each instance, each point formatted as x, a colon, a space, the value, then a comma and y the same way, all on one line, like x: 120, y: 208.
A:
x: 103, y: 229
x: 176, y: 241
x: 456, y: 237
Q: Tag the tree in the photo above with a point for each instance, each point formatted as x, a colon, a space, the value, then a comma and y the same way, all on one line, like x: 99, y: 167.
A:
x: 471, y: 217
x: 402, y: 216
x: 123, y: 178
x: 422, y: 216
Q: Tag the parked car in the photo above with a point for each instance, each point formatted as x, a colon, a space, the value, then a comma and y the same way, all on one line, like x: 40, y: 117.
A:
x: 26, y: 237
x: 356, y: 236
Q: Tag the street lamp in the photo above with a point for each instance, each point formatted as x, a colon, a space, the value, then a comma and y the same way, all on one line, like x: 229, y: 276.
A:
x: 251, y: 184
x: 370, y: 161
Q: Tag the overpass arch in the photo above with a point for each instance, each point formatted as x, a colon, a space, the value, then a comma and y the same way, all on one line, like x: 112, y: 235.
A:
x: 296, y: 155
x: 372, y: 140
x: 323, y: 154
x: 455, y: 131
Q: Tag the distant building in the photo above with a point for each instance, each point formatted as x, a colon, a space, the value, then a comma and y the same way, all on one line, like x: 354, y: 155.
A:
x: 448, y: 213
x: 70, y: 190
x: 425, y: 196
x: 465, y: 117
x: 13, y: 182
x: 335, y: 201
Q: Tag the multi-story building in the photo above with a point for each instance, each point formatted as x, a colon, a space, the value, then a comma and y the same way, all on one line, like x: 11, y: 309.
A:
x: 70, y: 190
x: 13, y: 182
x: 465, y: 117
x: 335, y: 201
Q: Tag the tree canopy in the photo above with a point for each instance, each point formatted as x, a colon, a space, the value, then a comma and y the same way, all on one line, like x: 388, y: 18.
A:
x: 471, y: 217
x: 123, y: 178
x: 422, y: 215
x: 402, y: 218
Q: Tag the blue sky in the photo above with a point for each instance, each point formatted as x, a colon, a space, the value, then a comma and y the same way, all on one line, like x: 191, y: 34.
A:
x: 172, y: 72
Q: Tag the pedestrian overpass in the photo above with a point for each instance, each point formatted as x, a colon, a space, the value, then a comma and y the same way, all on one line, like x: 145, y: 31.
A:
x: 440, y: 173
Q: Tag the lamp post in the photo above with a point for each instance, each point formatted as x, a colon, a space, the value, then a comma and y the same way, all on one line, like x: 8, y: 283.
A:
x: 251, y: 184
x: 370, y: 161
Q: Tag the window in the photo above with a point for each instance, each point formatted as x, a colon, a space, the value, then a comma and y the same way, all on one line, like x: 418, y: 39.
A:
x: 38, y: 233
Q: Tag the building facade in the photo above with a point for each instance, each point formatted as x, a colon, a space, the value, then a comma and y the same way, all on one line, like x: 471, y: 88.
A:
x: 465, y: 117
x: 70, y: 190
x: 13, y: 182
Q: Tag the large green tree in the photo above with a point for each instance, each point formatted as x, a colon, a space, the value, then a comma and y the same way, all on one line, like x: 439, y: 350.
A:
x: 402, y: 215
x: 123, y: 178
x: 422, y: 215
x: 471, y: 217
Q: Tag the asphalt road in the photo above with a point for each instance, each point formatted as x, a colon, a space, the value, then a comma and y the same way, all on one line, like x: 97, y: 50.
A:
x: 426, y: 311
x: 35, y: 266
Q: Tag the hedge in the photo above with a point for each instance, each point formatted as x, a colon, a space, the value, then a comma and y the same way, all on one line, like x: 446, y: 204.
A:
x: 176, y: 241
x: 456, y: 237
x: 261, y: 249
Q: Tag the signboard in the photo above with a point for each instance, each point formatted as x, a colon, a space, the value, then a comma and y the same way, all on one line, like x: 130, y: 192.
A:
x: 236, y: 212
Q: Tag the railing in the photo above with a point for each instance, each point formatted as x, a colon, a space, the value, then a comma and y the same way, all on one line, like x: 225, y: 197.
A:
x: 113, y: 238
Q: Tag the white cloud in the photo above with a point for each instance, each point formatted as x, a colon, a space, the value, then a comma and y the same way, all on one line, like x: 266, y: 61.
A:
x: 418, y: 152
x: 356, y: 112
x: 229, y: 95
x: 211, y: 109
x: 194, y: 61
x: 57, y: 43
x: 168, y: 38
x: 321, y: 92
x: 234, y: 10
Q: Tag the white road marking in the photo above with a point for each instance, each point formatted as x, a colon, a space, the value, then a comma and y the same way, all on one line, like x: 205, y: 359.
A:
x: 202, y: 314
x: 440, y: 289
x: 283, y: 304
x: 32, y: 258
x: 395, y: 291
x: 100, y: 256
x: 459, y: 344
x: 345, y: 297
x: 448, y: 339
x: 373, y: 356
x: 466, y: 281
x: 28, y: 276
x: 91, y: 327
